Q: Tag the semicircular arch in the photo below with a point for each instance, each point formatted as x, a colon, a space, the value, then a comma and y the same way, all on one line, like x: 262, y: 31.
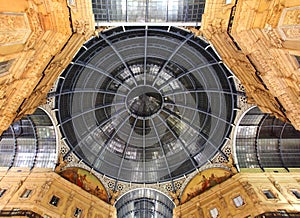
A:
x: 86, y: 180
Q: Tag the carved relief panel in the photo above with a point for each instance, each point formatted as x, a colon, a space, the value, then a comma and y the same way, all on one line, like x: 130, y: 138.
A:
x: 14, y: 28
x: 289, y: 23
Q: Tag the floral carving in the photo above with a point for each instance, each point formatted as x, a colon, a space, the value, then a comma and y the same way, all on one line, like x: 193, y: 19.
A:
x: 81, y: 26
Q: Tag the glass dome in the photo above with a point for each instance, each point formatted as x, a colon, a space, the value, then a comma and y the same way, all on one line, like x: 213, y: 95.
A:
x: 264, y: 142
x: 29, y: 142
x: 145, y: 105
x: 144, y: 203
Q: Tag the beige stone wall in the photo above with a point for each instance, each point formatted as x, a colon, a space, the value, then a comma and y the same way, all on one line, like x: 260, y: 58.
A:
x: 250, y: 187
x: 40, y: 41
x: 44, y: 185
x: 258, y: 39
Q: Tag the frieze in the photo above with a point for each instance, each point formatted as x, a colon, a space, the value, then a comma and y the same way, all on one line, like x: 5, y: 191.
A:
x: 274, y: 38
x: 292, y: 33
x: 263, y: 65
x: 13, y: 21
x: 36, y: 28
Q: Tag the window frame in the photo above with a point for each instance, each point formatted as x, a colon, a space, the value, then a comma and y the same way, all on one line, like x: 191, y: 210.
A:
x: 297, y: 57
x: 5, y: 66
x: 269, y: 194
x: 295, y: 193
x: 78, y: 212
x: 26, y: 193
x: 55, y: 200
x: 2, y: 192
x: 238, y: 201
x: 214, y: 212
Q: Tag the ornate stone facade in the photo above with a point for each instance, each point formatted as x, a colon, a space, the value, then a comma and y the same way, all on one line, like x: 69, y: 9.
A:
x: 14, y: 28
x: 39, y: 41
x: 43, y: 186
x: 243, y: 196
x: 258, y: 40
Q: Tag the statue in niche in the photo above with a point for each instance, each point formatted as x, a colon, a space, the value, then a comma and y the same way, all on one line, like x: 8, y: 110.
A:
x: 175, y: 196
x: 61, y: 164
x: 231, y: 165
x: 113, y: 196
x: 200, y: 210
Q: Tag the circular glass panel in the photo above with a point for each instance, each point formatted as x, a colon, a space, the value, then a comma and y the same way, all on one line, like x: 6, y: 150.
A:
x: 145, y: 105
x: 144, y: 101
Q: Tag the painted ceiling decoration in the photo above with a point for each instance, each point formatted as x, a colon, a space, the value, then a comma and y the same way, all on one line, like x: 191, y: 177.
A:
x: 203, y: 181
x: 86, y: 181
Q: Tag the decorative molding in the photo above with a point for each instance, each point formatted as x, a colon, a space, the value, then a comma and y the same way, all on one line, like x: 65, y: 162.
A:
x: 81, y: 26
x: 257, y: 51
x: 289, y: 23
x: 36, y: 26
x: 14, y: 28
x: 273, y: 36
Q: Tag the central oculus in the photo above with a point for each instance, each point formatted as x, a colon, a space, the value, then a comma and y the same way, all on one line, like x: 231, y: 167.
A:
x: 144, y: 101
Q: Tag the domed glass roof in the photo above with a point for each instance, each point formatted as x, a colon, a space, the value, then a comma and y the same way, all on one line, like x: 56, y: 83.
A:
x: 265, y: 142
x: 145, y: 105
x: 144, y: 203
x: 29, y: 142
